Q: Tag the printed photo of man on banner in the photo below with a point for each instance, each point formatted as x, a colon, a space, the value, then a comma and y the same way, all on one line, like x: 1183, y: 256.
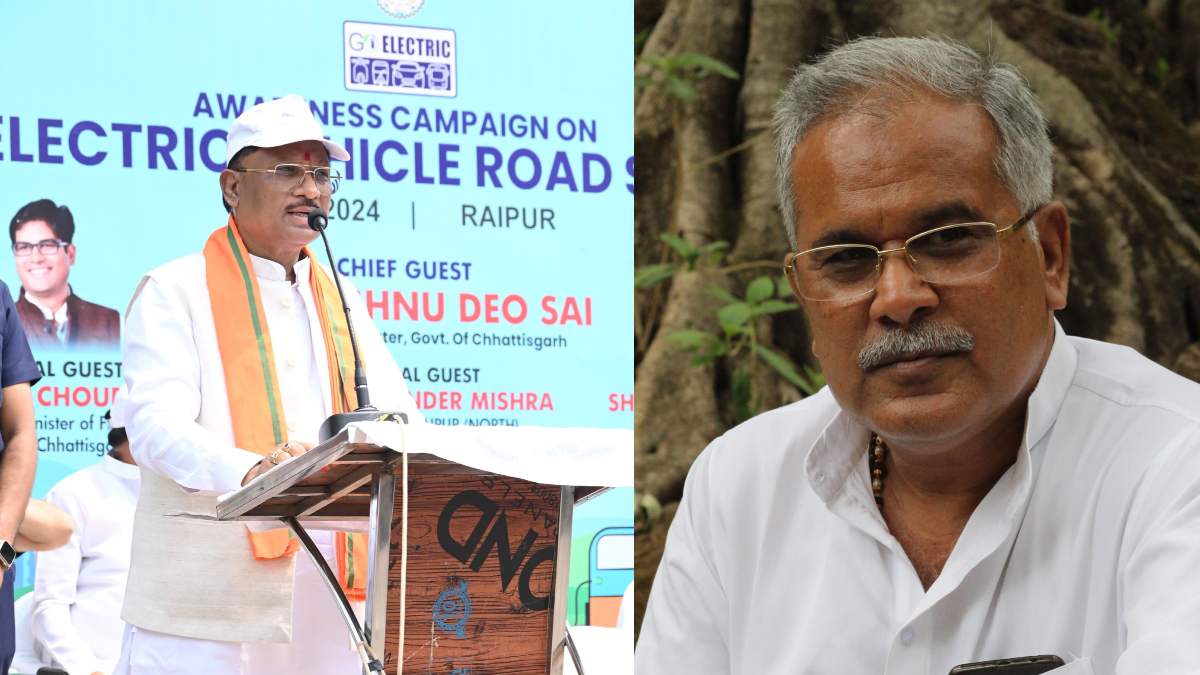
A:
x: 51, y: 314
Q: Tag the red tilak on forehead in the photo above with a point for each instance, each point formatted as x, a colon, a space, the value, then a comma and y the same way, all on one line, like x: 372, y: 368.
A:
x: 307, y: 156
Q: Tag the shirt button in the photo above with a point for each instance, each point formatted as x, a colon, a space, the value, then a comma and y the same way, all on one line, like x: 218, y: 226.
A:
x: 290, y: 362
x: 291, y: 427
x: 286, y: 302
x: 906, y: 636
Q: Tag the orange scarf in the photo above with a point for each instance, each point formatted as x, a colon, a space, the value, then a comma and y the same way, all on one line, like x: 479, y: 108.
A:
x: 255, y: 405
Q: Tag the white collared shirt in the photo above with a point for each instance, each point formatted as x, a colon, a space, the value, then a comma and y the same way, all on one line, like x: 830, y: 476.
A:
x: 1088, y: 547
x: 76, y: 616
x: 293, y: 333
x: 58, y: 316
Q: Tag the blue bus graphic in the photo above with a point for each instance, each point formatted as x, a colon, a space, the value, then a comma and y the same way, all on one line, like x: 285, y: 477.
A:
x: 610, y: 572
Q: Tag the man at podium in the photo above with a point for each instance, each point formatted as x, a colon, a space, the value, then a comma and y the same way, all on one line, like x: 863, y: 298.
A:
x: 233, y: 357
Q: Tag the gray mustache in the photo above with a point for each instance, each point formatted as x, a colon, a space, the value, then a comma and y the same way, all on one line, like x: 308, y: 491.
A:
x: 923, y: 339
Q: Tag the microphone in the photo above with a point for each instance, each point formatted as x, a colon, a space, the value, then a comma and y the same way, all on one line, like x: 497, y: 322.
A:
x: 318, y: 220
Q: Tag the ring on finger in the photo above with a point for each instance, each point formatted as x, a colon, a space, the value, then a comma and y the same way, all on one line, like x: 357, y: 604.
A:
x: 274, y: 457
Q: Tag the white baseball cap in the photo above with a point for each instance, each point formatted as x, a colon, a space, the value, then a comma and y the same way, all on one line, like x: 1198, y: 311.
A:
x: 271, y: 124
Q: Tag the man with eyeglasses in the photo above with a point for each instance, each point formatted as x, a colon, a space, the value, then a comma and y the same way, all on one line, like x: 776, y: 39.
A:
x: 973, y: 484
x: 51, y: 314
x: 233, y: 357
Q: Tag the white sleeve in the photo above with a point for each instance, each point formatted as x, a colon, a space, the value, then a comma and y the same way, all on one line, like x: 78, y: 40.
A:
x: 1158, y: 588
x: 683, y: 629
x: 54, y: 587
x: 162, y: 377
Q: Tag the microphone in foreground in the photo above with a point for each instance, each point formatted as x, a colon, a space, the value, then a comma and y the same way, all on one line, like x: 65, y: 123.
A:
x: 319, y: 220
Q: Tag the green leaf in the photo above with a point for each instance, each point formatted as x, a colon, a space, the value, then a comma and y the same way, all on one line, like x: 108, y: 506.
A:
x: 785, y: 288
x: 647, y: 508
x: 721, y: 294
x: 733, y: 317
x: 741, y: 392
x: 784, y: 367
x: 639, y: 39
x: 712, y: 252
x: 1162, y: 69
x: 680, y: 89
x: 711, y: 352
x: 652, y: 275
x: 691, y: 339
x: 714, y: 246
x: 815, y: 377
x: 760, y: 289
x: 655, y: 62
x: 1110, y: 30
x: 686, y: 249
x: 774, y: 307
x: 705, y: 64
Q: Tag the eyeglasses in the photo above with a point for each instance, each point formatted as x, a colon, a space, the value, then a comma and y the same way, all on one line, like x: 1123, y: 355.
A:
x: 292, y: 175
x: 47, y: 247
x: 943, y: 255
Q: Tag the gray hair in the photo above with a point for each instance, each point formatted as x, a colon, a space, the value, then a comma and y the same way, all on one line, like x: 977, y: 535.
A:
x: 926, y: 337
x: 827, y: 88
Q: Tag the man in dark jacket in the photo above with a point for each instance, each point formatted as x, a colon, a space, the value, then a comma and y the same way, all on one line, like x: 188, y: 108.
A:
x: 51, y: 314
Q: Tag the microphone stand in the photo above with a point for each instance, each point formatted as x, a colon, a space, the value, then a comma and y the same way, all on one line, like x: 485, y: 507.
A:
x: 318, y: 220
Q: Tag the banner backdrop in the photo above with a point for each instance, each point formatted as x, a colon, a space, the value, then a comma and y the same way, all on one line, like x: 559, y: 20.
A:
x: 486, y: 215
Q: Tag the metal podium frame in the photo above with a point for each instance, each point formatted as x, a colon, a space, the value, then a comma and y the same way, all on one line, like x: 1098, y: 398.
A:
x: 296, y: 490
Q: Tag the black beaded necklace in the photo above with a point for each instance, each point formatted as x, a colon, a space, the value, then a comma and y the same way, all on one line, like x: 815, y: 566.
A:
x: 876, y: 454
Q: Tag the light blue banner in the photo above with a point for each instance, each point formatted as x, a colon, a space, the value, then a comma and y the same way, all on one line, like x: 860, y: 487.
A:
x: 486, y: 216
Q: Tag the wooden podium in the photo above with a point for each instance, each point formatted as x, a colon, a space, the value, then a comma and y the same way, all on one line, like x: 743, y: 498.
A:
x: 483, y: 578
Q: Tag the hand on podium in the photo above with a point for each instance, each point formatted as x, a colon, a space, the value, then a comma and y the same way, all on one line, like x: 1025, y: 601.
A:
x: 281, y: 453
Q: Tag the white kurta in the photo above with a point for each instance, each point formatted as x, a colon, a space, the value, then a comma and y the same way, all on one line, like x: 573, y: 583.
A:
x: 76, y: 616
x: 1088, y: 547
x: 166, y: 377
x: 164, y: 371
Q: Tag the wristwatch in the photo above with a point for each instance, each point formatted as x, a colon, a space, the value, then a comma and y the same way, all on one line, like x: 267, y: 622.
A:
x: 7, y: 555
